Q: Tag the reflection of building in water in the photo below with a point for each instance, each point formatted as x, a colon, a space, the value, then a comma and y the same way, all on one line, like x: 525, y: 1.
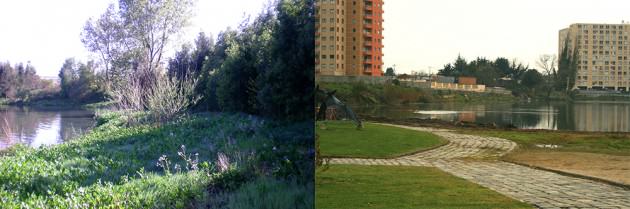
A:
x: 608, y: 117
x: 467, y: 116
x: 545, y: 117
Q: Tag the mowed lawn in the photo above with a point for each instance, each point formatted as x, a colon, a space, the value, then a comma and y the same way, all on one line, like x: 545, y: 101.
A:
x: 356, y: 186
x: 342, y: 139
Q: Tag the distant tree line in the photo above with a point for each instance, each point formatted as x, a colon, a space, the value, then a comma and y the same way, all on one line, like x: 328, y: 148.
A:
x: 499, y: 72
x: 519, y: 78
x: 78, y: 81
x: 21, y: 82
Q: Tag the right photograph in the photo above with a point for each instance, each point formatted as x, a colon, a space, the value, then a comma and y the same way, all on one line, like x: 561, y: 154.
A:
x: 472, y: 104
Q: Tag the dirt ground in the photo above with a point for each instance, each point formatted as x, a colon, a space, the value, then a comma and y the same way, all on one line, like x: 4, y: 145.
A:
x: 609, y: 167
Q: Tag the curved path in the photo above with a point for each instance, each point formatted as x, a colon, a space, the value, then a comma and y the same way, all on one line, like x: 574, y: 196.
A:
x: 474, y: 158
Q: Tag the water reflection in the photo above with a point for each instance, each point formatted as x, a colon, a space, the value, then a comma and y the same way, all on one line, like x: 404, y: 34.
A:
x: 37, y: 127
x: 580, y: 116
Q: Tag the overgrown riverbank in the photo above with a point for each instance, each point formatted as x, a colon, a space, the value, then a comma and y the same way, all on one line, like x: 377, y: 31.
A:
x: 360, y: 93
x: 205, y: 160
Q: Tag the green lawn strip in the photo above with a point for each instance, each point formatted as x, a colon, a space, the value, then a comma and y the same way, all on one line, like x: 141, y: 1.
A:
x: 355, y: 186
x: 342, y: 139
x: 603, y: 143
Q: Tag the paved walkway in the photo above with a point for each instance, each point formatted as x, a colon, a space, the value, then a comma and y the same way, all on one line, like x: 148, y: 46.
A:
x: 475, y: 158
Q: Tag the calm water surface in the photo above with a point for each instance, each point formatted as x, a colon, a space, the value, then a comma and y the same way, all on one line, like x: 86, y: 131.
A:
x: 581, y: 116
x: 37, y: 127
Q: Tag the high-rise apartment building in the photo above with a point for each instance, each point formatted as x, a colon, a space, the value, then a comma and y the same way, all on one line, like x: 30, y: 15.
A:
x: 602, y: 55
x: 348, y: 37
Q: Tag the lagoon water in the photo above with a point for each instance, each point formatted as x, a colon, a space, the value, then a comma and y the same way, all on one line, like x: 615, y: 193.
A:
x: 37, y: 127
x: 592, y: 116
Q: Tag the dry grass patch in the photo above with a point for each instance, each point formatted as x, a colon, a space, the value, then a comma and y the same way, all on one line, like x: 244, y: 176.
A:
x: 603, y: 166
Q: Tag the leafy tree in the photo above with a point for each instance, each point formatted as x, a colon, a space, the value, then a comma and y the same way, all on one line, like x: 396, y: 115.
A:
x: 487, y: 74
x: 532, y: 78
x: 67, y: 76
x: 448, y: 70
x: 107, y: 37
x: 182, y: 65
x: 203, y: 49
x: 209, y: 77
x: 248, y: 56
x: 78, y: 81
x: 288, y: 93
x: 132, y: 38
x: 8, y: 81
x: 390, y: 72
x: 503, y: 66
x: 460, y: 66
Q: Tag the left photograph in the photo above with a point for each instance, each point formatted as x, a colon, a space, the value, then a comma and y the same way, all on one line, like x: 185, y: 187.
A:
x: 157, y: 104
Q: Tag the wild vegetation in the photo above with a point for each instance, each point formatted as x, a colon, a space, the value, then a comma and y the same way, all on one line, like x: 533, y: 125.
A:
x: 193, y: 162
x: 391, y: 94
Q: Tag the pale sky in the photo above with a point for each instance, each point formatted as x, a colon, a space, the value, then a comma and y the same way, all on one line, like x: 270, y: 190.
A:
x: 47, y: 32
x: 430, y: 33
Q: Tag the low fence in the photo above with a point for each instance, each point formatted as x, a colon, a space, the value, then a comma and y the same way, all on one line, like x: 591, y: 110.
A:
x: 498, y: 91
x: 458, y: 87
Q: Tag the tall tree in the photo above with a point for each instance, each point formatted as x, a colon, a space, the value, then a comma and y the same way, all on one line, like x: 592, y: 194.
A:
x: 67, y: 75
x: 390, y: 72
x: 548, y: 64
x: 447, y: 70
x: 503, y: 66
x: 181, y: 65
x: 567, y: 66
x: 248, y: 57
x: 151, y: 23
x: 107, y: 37
x: 532, y: 78
x: 8, y: 81
x: 134, y: 36
x: 459, y: 66
x: 290, y: 81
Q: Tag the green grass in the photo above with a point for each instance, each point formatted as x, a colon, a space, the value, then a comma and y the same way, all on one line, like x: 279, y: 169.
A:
x: 354, y: 186
x: 342, y: 139
x: 116, y: 165
x: 604, y: 143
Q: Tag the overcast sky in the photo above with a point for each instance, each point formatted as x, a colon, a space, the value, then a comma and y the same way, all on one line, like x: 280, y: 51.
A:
x: 47, y: 32
x: 430, y: 33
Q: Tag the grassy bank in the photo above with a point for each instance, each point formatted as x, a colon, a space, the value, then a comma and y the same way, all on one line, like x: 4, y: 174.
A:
x: 353, y: 186
x: 342, y: 139
x: 603, y: 143
x: 359, y: 93
x: 201, y: 161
